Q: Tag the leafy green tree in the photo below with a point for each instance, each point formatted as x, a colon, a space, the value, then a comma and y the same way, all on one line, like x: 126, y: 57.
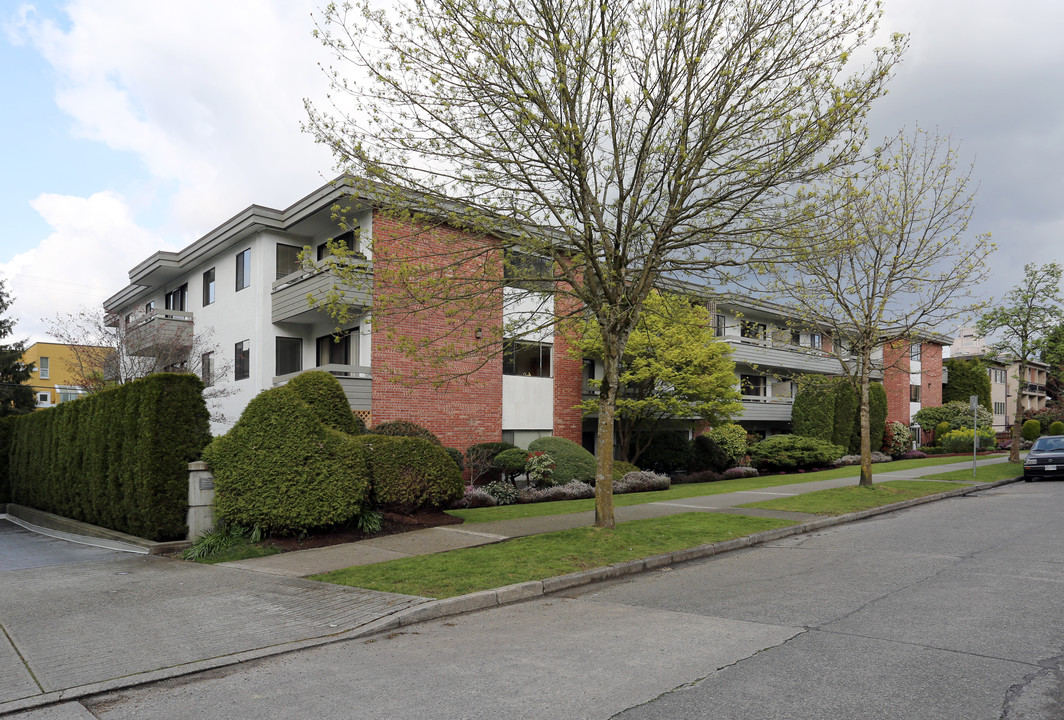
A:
x: 16, y: 397
x: 673, y: 368
x: 622, y: 142
x: 1020, y: 324
x: 897, y: 263
x: 967, y: 378
x: 1052, y: 354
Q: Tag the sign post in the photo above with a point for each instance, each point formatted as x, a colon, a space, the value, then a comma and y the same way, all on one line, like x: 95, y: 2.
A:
x: 974, y: 400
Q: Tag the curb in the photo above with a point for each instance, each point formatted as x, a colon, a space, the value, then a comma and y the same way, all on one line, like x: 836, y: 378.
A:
x: 482, y: 600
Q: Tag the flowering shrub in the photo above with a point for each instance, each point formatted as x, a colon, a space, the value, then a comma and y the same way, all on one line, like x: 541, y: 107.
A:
x: 898, y: 439
x: 739, y: 472
x: 914, y: 455
x: 539, y: 466
x: 698, y: 477
x: 503, y: 492
x: 959, y: 441
x: 877, y: 457
x: 641, y: 481
x: 574, y: 490
x: 474, y: 497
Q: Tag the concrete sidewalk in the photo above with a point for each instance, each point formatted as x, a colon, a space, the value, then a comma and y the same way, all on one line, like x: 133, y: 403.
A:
x: 74, y: 630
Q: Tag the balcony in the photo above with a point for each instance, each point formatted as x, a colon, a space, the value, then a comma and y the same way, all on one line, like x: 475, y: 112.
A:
x: 766, y: 408
x: 160, y: 333
x: 778, y: 354
x: 1034, y: 389
x: 356, y: 381
x: 290, y: 296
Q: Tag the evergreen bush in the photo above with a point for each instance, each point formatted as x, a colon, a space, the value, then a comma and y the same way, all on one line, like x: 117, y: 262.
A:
x: 940, y: 432
x: 1056, y: 428
x: 706, y: 454
x: 573, y: 462
x: 480, y: 456
x: 511, y: 462
x: 282, y: 469
x: 410, y: 473
x: 731, y: 439
x: 622, y: 468
x: 793, y: 452
x: 404, y: 428
x: 846, y: 417
x: 6, y: 430
x: 322, y: 393
x: 668, y: 451
x: 813, y: 411
x: 1031, y: 430
x: 456, y: 455
x: 957, y: 414
x: 117, y: 458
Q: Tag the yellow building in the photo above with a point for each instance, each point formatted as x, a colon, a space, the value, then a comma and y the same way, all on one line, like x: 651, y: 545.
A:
x: 53, y: 379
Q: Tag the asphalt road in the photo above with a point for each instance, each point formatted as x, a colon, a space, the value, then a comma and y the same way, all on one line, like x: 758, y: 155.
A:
x: 948, y: 610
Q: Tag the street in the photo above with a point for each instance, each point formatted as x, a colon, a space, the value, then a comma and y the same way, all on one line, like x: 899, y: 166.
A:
x: 948, y: 610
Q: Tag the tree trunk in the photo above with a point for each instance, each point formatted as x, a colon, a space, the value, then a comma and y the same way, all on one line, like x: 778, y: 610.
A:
x: 604, y: 438
x: 866, y: 426
x: 1021, y: 381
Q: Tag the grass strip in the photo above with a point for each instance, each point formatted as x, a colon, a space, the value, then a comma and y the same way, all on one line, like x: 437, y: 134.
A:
x: 240, y: 552
x: 458, y: 572
x: 983, y: 473
x: 853, y: 498
x: 680, y: 492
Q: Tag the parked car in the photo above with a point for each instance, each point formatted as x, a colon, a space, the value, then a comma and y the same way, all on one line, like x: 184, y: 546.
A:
x: 1045, y: 459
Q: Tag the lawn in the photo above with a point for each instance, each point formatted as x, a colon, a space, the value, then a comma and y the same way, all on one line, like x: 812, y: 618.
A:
x: 839, y: 501
x: 983, y: 473
x: 680, y: 492
x: 458, y: 572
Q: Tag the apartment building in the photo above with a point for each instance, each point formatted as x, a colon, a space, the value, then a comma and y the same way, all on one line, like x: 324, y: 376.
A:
x: 245, y: 284
x: 53, y: 379
x: 1005, y: 380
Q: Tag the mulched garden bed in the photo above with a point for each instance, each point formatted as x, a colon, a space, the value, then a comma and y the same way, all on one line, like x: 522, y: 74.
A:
x: 392, y: 524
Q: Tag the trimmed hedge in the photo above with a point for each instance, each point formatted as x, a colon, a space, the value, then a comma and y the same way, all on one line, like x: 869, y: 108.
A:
x: 731, y: 439
x: 707, y: 454
x: 324, y: 395
x: 1031, y: 430
x: 793, y: 452
x: 408, y: 473
x: 6, y: 429
x: 282, y: 469
x: 574, y: 463
x: 1056, y: 428
x: 813, y: 411
x: 404, y: 428
x: 117, y: 458
x: 480, y: 456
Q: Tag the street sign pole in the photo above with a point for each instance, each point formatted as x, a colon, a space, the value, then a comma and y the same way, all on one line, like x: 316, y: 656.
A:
x: 974, y: 400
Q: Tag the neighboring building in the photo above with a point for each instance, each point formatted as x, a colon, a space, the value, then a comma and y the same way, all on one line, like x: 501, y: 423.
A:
x: 1005, y: 382
x: 53, y: 378
x: 244, y: 281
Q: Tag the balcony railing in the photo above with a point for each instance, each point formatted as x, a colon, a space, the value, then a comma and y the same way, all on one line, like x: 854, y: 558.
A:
x: 356, y: 380
x: 1035, y: 389
x: 289, y: 295
x: 160, y: 333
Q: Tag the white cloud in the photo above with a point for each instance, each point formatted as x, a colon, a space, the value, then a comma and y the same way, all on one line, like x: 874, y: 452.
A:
x: 85, y: 260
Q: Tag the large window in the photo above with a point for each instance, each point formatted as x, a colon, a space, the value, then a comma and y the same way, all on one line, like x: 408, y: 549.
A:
x: 999, y: 408
x: 718, y: 325
x: 42, y: 365
x: 914, y: 352
x: 914, y: 393
x: 753, y: 385
x: 528, y: 271
x: 287, y: 259
x: 289, y: 355
x: 816, y: 341
x: 243, y: 269
x: 347, y: 239
x: 753, y: 330
x: 530, y: 359
x: 208, y: 287
x: 207, y: 368
x: 333, y: 350
x: 242, y: 360
x: 177, y: 299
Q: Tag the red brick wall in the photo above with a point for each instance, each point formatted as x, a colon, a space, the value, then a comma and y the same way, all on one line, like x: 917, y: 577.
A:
x: 568, y: 379
x: 466, y: 409
x: 930, y: 375
x: 896, y: 380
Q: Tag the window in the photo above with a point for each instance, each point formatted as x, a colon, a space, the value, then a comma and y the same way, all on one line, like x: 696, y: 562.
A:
x: 177, y: 299
x: 999, y: 408
x: 914, y: 353
x: 997, y: 375
x: 44, y: 398
x: 287, y: 260
x: 149, y: 307
x: 333, y: 350
x: 755, y: 330
x: 816, y: 341
x: 914, y: 393
x: 243, y: 269
x: 208, y: 287
x: 289, y: 355
x: 532, y: 272
x: 719, y: 325
x: 207, y: 368
x: 753, y: 385
x: 530, y: 359
x: 66, y: 395
x: 43, y: 367
x: 242, y: 360
x: 347, y: 238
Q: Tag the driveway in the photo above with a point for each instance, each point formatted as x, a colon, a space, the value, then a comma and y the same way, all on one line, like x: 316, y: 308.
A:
x: 21, y: 549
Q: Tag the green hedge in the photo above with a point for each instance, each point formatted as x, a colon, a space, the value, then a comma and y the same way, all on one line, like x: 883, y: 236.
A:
x: 408, y: 473
x: 1031, y: 429
x: 793, y: 452
x: 6, y: 428
x: 813, y: 412
x: 322, y: 392
x: 573, y: 462
x: 117, y: 459
x: 404, y: 428
x: 282, y: 469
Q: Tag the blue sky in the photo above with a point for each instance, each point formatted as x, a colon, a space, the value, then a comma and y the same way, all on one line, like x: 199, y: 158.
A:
x: 131, y: 127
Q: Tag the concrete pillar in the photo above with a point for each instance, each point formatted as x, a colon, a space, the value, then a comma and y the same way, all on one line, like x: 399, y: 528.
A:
x: 200, y: 499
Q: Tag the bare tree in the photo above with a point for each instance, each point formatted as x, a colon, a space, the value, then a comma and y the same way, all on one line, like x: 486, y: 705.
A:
x: 108, y: 351
x: 624, y: 141
x: 898, y: 264
x: 1022, y: 325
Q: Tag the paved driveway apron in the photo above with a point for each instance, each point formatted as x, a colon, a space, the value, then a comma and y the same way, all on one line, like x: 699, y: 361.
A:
x: 72, y: 616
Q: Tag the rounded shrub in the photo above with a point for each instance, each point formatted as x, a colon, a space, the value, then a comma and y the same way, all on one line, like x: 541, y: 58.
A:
x: 738, y: 472
x: 1031, y: 430
x: 409, y: 473
x: 480, y: 457
x: 731, y: 439
x: 322, y: 393
x: 512, y: 461
x: 622, y: 468
x: 404, y: 428
x: 793, y: 452
x: 706, y: 454
x: 667, y: 451
x: 1056, y: 428
x: 457, y: 456
x: 282, y: 469
x: 572, y: 461
x: 940, y: 431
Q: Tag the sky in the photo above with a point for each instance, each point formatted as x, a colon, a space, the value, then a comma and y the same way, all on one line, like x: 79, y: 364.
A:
x: 131, y: 127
